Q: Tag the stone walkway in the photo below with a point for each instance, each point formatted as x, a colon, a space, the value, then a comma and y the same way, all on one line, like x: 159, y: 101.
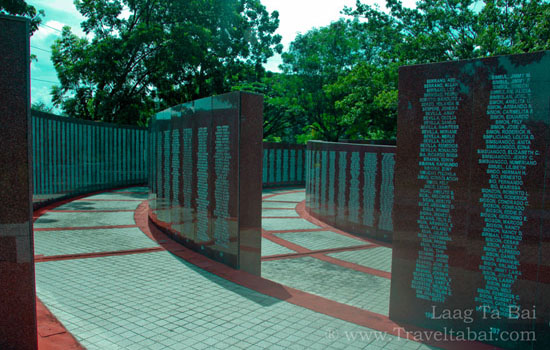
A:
x: 113, y: 287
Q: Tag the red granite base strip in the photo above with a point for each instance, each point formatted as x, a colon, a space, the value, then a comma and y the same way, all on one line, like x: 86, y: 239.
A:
x: 52, y: 335
x: 313, y: 302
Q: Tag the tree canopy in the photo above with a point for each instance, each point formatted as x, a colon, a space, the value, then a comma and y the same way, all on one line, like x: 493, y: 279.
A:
x: 346, y: 72
x: 160, y: 53
x: 336, y: 82
x: 21, y: 8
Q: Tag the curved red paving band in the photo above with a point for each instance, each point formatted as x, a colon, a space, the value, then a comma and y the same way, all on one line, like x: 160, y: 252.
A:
x: 294, y: 296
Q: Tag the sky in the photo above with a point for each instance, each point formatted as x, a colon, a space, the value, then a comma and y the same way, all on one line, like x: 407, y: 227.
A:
x: 295, y: 16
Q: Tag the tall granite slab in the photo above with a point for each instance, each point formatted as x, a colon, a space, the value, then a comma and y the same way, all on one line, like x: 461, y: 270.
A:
x: 351, y: 186
x: 209, y: 183
x: 471, y: 239
x: 17, y: 292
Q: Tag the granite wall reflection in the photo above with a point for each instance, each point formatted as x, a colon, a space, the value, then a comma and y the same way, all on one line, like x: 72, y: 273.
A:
x: 73, y: 156
x: 283, y: 164
x: 471, y: 247
x: 206, y: 180
x: 350, y: 186
x: 17, y: 291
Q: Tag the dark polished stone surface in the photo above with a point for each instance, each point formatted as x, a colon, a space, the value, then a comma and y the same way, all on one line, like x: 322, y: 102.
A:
x: 17, y: 292
x: 206, y: 176
x: 283, y: 164
x: 75, y: 156
x: 470, y: 247
x: 350, y: 186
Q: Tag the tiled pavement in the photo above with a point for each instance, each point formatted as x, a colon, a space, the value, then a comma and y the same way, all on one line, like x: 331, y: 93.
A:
x: 154, y: 300
x: 318, y: 240
x: 65, y: 242
x: 331, y: 281
x: 377, y: 258
x: 271, y: 248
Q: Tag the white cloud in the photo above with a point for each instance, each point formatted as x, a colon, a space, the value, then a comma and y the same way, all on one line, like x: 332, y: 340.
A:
x: 66, y: 6
x: 44, y: 33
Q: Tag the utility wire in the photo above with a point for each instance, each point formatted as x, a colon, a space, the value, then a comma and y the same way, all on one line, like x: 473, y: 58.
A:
x: 38, y: 48
x: 45, y: 25
x: 46, y: 81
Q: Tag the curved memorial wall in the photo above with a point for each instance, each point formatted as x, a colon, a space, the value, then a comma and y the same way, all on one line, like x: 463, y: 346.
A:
x: 283, y: 164
x: 74, y: 156
x: 471, y: 246
x: 350, y: 186
x: 206, y: 180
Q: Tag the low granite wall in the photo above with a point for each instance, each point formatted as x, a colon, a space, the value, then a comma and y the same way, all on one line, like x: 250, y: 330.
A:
x: 350, y: 186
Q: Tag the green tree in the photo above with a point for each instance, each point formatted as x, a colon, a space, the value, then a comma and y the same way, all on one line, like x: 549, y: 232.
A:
x: 281, y: 111
x: 41, y: 106
x: 21, y: 8
x: 367, y: 101
x: 442, y: 30
x: 164, y: 53
x: 317, y: 59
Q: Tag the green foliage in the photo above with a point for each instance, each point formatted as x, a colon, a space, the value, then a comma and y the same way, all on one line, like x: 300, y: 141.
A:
x: 440, y: 30
x: 346, y: 72
x: 281, y: 111
x: 316, y: 60
x: 164, y: 53
x: 41, y: 106
x: 367, y: 101
x: 337, y: 81
x: 21, y: 8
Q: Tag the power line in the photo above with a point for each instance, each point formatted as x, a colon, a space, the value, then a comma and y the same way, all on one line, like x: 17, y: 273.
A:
x: 38, y: 48
x: 45, y: 25
x: 46, y: 81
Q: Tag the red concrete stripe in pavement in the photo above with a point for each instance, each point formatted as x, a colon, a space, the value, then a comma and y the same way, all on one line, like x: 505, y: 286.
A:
x: 39, y: 212
x: 82, y: 228
x: 320, y: 251
x: 320, y: 254
x: 42, y: 258
x: 300, y: 230
x: 352, y: 266
x: 301, y: 210
x: 107, y: 200
x: 52, y: 335
x: 313, y: 302
x: 91, y: 211
x: 297, y: 248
